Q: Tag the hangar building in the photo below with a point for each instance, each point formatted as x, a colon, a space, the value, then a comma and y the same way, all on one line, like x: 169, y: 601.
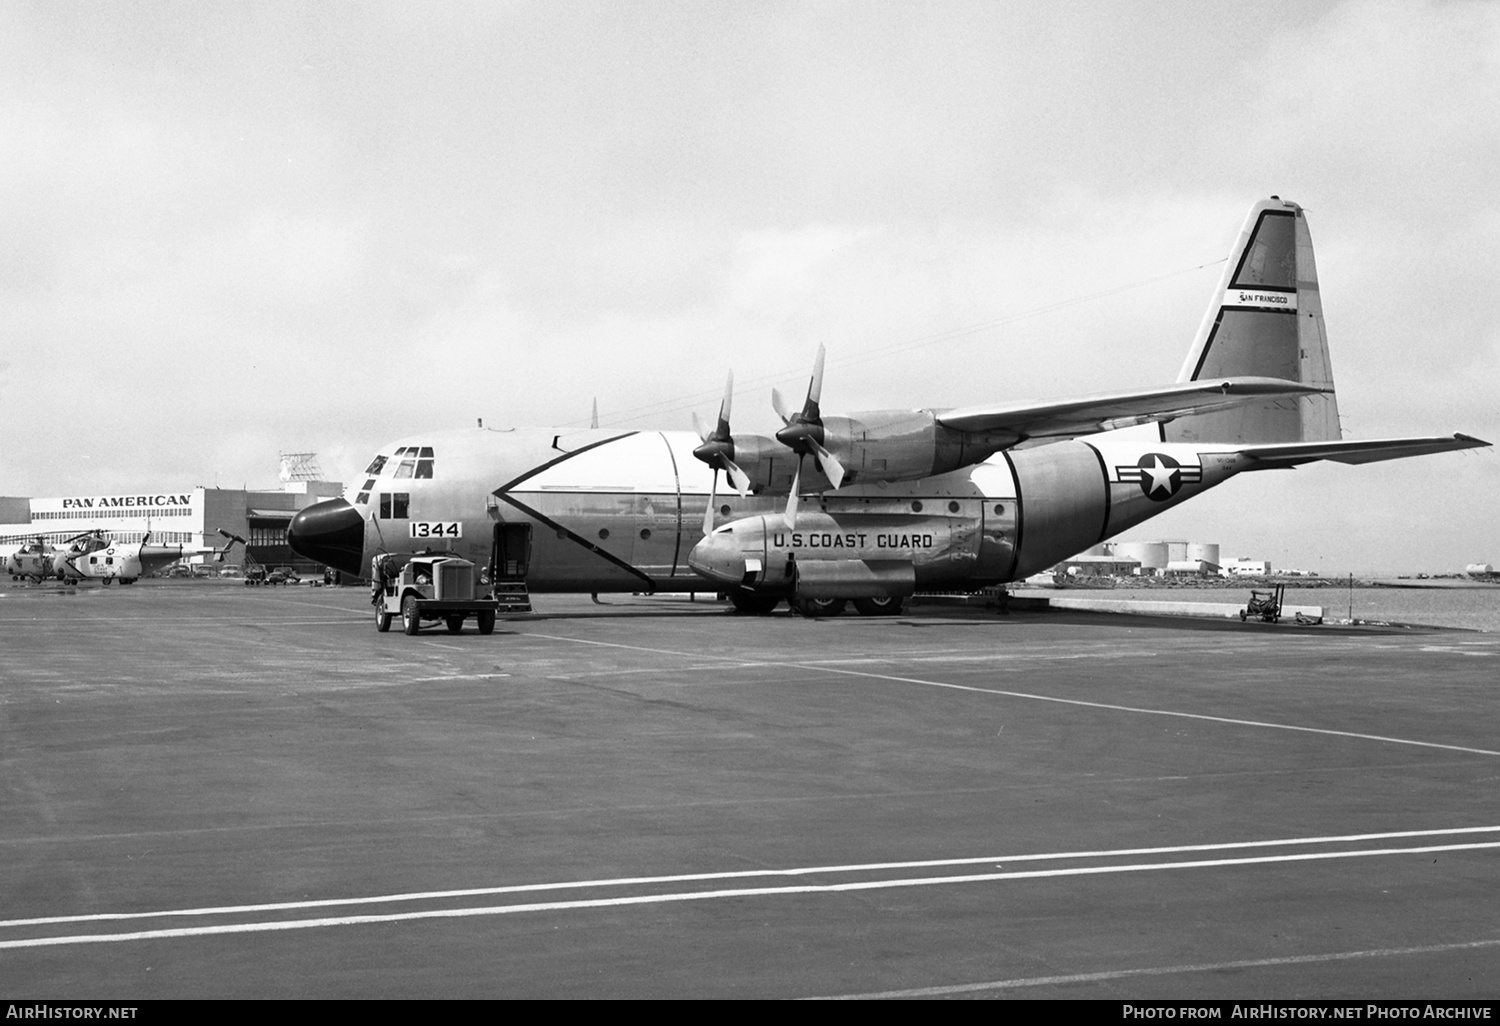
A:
x: 192, y: 517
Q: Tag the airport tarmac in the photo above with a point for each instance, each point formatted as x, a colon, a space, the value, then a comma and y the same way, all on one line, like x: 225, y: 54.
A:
x: 219, y: 791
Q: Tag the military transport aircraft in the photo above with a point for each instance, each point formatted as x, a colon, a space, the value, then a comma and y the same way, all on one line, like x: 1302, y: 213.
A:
x: 905, y: 500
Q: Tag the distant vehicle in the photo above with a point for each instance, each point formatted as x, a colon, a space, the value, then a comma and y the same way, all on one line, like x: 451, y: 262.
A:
x: 201, y: 570
x: 283, y: 575
x: 231, y: 570
x: 177, y: 570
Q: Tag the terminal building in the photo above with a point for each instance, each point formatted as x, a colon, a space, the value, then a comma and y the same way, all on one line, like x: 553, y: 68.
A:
x: 190, y: 517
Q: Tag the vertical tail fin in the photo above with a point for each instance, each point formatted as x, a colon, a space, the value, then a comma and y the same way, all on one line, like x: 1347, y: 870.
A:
x: 1265, y: 319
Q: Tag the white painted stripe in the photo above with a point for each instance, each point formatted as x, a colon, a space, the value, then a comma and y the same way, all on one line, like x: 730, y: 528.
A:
x: 823, y: 667
x: 742, y: 874
x: 460, y: 676
x: 1170, y: 970
x: 1163, y: 712
x: 748, y: 892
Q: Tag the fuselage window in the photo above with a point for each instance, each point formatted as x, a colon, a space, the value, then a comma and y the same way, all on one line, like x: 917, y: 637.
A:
x: 362, y: 498
x: 399, y: 503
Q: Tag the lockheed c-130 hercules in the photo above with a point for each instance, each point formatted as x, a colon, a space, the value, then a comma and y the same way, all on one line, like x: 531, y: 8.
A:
x: 905, y: 500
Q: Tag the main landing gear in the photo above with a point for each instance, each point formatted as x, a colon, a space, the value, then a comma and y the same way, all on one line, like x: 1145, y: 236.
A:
x: 750, y: 603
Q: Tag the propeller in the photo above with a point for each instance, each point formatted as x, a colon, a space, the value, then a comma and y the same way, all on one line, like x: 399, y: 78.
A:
x: 219, y: 554
x: 803, y: 434
x: 717, y: 451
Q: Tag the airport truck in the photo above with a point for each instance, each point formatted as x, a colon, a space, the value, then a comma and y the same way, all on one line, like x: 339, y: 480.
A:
x: 435, y: 586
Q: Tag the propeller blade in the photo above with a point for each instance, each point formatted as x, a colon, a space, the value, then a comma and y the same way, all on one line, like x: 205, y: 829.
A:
x: 713, y: 498
x: 726, y: 405
x: 815, y: 386
x: 698, y: 427
x: 828, y: 463
x: 738, y: 477
x: 780, y: 407
x: 791, y: 499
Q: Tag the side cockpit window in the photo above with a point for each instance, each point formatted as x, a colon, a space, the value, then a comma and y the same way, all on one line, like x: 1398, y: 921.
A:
x: 375, y: 467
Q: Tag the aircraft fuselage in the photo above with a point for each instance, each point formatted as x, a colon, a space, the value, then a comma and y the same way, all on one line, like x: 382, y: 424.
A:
x: 623, y: 511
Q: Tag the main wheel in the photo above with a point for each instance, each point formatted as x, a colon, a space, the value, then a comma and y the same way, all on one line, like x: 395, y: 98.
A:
x: 455, y: 623
x: 749, y: 602
x: 382, y: 619
x: 888, y: 606
x: 486, y: 621
x: 410, y: 620
x: 816, y: 608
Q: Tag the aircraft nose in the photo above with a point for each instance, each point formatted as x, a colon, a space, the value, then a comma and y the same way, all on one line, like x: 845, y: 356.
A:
x: 331, y: 532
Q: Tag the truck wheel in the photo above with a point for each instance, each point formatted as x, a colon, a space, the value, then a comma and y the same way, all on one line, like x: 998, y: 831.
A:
x: 410, y: 620
x: 382, y: 619
x: 487, y: 621
x: 888, y: 606
x: 455, y: 624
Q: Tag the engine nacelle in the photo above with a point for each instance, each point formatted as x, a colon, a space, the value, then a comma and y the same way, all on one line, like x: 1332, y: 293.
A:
x: 882, y: 445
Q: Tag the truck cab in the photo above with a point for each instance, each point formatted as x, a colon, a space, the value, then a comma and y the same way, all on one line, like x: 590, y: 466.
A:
x: 432, y: 586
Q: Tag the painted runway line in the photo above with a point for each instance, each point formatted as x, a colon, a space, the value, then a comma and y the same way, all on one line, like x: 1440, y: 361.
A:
x: 825, y: 667
x: 672, y: 896
x: 1170, y: 970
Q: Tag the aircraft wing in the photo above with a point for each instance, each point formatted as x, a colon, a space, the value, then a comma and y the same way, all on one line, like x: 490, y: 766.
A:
x: 1291, y: 454
x: 1105, y: 411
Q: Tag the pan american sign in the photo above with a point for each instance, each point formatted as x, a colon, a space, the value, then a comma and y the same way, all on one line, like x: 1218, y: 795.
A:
x: 118, y: 507
x: 114, y: 502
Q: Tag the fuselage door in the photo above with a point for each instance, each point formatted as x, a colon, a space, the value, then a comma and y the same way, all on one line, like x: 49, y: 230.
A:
x: 510, y: 557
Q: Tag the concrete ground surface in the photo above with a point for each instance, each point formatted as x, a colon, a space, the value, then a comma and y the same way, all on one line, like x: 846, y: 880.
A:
x: 217, y: 791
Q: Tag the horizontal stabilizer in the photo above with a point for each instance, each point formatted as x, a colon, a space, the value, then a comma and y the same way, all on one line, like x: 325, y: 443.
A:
x: 1085, y: 415
x: 1291, y: 454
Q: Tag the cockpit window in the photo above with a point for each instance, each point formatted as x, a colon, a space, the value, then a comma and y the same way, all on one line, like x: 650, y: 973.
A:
x: 406, y: 468
x: 376, y: 465
x: 424, y: 467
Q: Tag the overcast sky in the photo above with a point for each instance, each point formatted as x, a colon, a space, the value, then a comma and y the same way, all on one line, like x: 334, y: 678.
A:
x: 233, y: 229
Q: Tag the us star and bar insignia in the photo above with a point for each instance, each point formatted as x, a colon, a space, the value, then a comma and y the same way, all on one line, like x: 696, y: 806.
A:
x: 1160, y: 477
